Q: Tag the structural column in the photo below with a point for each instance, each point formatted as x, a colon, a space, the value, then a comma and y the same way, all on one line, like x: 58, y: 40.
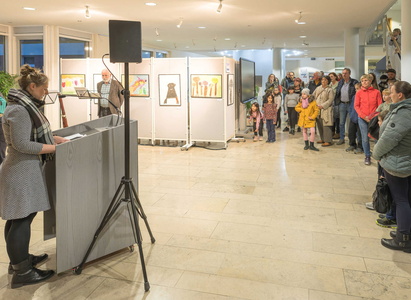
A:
x: 352, y: 51
x: 405, y: 40
x: 278, y: 63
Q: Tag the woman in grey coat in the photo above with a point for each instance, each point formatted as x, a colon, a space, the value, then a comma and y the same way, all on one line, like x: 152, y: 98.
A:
x: 23, y: 189
x: 393, y: 150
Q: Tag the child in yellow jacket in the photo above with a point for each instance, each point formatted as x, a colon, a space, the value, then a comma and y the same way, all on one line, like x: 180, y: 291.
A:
x: 308, y: 109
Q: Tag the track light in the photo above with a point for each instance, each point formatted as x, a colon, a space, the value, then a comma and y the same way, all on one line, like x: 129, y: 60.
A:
x: 298, y: 21
x: 87, y: 14
x: 157, y: 33
x: 180, y: 23
x: 220, y: 6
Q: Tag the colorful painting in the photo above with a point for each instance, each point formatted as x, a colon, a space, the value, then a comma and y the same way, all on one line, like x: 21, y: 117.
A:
x: 206, y: 86
x: 169, y: 90
x: 70, y: 81
x: 230, y: 89
x: 138, y: 84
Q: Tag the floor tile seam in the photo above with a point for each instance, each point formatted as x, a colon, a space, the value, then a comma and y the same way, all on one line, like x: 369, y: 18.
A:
x: 97, y: 287
x: 383, y: 275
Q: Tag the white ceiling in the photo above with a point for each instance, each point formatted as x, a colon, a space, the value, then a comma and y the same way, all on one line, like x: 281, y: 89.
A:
x: 257, y: 24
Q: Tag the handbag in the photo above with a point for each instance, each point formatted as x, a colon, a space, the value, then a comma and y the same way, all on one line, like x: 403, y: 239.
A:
x: 374, y: 128
x: 381, y: 198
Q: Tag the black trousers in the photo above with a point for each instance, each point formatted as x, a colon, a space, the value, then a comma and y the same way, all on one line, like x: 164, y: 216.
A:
x: 292, y: 117
x: 17, y: 234
x: 354, y: 135
x: 279, y: 117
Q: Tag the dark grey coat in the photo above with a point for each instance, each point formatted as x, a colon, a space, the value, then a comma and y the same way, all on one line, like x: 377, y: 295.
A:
x: 22, y: 185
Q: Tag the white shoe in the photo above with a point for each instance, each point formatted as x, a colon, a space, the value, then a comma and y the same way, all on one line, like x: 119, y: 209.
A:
x: 369, y: 205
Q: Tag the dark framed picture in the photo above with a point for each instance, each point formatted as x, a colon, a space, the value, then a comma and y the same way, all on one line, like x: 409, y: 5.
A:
x: 169, y: 89
x: 206, y: 86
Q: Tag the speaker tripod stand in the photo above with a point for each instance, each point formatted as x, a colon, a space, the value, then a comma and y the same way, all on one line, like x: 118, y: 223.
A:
x: 126, y: 188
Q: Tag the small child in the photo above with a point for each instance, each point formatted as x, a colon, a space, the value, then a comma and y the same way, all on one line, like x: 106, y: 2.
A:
x: 386, y: 98
x: 270, y: 117
x: 290, y: 102
x: 308, y: 109
x: 277, y: 100
x: 257, y: 117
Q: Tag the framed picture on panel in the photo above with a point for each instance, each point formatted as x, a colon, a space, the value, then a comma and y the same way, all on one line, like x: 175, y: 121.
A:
x: 139, y: 84
x: 70, y: 81
x: 230, y: 89
x: 206, y: 86
x: 169, y: 89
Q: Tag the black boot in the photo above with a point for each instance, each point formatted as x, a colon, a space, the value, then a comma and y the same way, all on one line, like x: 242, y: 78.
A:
x: 306, y: 145
x: 312, y: 147
x: 35, y: 259
x: 393, y: 234
x: 25, y: 274
x: 400, y: 242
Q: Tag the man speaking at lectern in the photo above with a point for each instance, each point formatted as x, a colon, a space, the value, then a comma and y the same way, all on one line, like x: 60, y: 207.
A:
x: 109, y: 89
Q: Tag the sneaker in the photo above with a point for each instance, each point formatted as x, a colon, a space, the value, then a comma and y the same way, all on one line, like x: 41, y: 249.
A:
x: 340, y: 142
x: 261, y: 138
x: 381, y: 216
x: 386, y: 223
x: 255, y: 138
x: 367, y: 161
x: 358, y: 151
x: 370, y: 205
x: 286, y: 129
x: 351, y: 148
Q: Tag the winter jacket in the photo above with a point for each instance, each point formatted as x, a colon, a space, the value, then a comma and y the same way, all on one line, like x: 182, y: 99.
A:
x: 393, y: 148
x: 325, y: 98
x: 367, y: 101
x: 351, y: 90
x: 311, y: 111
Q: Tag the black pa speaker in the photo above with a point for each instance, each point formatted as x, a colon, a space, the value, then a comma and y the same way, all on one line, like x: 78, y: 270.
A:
x: 125, y: 41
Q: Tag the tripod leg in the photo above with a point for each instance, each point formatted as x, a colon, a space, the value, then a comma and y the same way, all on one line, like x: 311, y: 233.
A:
x: 137, y: 234
x: 140, y: 209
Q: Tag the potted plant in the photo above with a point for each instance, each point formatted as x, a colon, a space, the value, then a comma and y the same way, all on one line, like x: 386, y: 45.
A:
x: 7, y: 81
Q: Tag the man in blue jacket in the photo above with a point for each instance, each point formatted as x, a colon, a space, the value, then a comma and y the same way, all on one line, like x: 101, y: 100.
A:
x: 343, y: 95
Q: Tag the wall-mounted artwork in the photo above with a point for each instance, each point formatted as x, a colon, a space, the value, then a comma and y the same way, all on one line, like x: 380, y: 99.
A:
x: 70, y: 81
x: 139, y: 85
x: 169, y: 88
x: 230, y: 89
x: 206, y: 86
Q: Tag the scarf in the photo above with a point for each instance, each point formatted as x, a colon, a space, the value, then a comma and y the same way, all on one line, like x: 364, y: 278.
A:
x: 304, y: 103
x: 41, y: 126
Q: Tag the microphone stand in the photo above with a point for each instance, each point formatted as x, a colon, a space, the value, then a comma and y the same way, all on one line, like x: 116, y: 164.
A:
x: 126, y: 187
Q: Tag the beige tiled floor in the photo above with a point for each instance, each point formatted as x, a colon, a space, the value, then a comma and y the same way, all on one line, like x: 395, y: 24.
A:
x: 255, y: 221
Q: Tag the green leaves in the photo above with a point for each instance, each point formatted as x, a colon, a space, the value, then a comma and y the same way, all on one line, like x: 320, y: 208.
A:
x: 7, y: 81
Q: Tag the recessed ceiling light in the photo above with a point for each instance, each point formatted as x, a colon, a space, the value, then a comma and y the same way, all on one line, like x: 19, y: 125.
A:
x: 29, y: 8
x: 151, y: 4
x: 227, y: 39
x: 243, y: 46
x: 159, y: 40
x: 303, y: 36
x: 201, y: 27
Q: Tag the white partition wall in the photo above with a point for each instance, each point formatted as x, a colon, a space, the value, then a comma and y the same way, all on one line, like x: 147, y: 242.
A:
x: 170, y: 99
x: 141, y: 107
x: 82, y: 110
x: 211, y: 118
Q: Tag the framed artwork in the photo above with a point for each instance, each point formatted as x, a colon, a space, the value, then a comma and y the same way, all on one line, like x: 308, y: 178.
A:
x: 70, y: 81
x: 169, y: 89
x: 206, y: 86
x: 139, y: 84
x: 230, y: 89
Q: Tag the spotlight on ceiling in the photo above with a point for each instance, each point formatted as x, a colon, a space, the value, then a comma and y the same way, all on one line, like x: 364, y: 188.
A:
x: 304, y: 43
x: 220, y: 6
x: 157, y: 33
x: 180, y: 23
x: 298, y: 21
x: 87, y: 14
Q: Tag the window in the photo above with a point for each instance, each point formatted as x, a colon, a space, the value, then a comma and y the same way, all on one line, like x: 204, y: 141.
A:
x: 31, y: 53
x: 70, y: 48
x: 146, y: 54
x: 161, y: 55
x: 2, y: 54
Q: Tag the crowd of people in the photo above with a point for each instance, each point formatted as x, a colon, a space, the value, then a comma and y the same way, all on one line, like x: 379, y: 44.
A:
x: 327, y: 103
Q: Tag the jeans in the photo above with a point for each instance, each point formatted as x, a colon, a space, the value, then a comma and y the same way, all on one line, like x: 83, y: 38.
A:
x: 343, y: 108
x: 364, y: 136
x: 270, y: 130
x: 400, y: 189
